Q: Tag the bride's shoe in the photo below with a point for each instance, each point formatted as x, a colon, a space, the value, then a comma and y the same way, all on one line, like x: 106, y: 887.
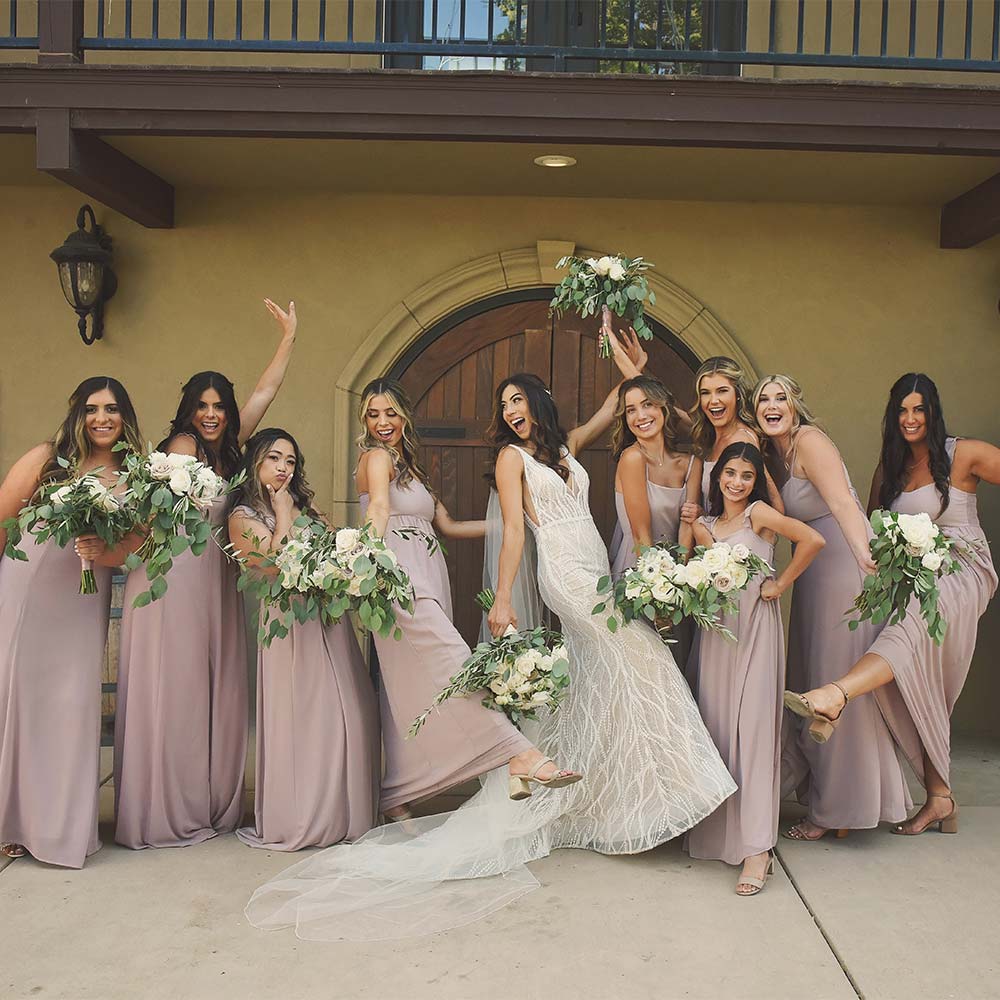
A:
x: 947, y: 824
x: 821, y: 726
x: 520, y: 784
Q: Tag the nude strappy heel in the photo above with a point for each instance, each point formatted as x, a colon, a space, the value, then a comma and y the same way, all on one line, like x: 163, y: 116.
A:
x: 947, y: 824
x: 797, y: 833
x: 821, y: 727
x: 520, y: 784
x: 756, y: 883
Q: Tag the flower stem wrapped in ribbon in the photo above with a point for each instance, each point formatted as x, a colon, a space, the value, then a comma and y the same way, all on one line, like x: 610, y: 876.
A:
x: 616, y: 284
x: 322, y: 572
x: 66, y: 509
x: 521, y: 672
x: 911, y: 552
x: 170, y: 497
x: 662, y: 589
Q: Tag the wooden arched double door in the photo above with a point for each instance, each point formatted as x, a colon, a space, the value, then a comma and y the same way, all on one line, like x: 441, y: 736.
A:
x: 452, y: 382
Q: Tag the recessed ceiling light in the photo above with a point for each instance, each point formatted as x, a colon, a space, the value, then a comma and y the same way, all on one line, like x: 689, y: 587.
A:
x: 555, y: 160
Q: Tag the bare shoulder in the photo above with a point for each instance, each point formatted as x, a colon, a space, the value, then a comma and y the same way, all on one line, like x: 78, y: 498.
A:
x: 631, y: 459
x: 814, y: 443
x: 747, y: 434
x: 183, y: 444
x: 509, y: 459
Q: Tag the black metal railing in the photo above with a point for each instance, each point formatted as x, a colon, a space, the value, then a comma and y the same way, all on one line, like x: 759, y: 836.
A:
x: 644, y: 36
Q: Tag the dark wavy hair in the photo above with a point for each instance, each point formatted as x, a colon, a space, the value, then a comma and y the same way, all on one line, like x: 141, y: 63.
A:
x: 547, y: 435
x: 226, y: 454
x: 749, y: 453
x: 71, y: 441
x: 895, y: 450
x: 252, y: 493
x: 656, y: 392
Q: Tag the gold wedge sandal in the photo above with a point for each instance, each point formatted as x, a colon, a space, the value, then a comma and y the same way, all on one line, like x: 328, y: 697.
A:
x: 520, y: 784
x: 947, y: 824
x: 821, y: 727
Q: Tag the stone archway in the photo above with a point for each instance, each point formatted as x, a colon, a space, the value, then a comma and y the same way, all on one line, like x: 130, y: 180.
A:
x: 510, y: 270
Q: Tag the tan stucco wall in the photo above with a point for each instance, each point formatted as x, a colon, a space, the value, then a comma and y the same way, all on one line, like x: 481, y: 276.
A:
x: 844, y: 298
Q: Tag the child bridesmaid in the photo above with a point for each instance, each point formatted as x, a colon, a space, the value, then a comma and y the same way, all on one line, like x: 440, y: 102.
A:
x: 738, y: 684
x: 318, y: 754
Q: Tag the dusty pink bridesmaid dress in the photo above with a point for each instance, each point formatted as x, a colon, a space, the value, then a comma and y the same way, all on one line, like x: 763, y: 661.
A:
x: 461, y: 739
x: 739, y: 686
x: 52, y: 641
x: 856, y: 780
x: 318, y: 752
x: 929, y: 678
x: 182, y: 715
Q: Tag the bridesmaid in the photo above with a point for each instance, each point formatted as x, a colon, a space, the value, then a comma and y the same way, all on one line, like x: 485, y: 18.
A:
x: 462, y: 739
x: 181, y: 722
x: 738, y: 684
x: 653, y: 481
x: 922, y: 470
x: 859, y: 782
x: 52, y: 641
x: 318, y: 754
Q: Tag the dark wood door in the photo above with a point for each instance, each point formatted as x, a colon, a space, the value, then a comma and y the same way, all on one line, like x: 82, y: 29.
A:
x: 452, y: 382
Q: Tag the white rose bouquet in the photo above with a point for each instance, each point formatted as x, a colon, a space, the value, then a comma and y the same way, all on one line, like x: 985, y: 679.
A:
x: 63, y: 510
x: 521, y: 672
x: 663, y: 589
x: 612, y: 284
x: 323, y: 572
x: 911, y: 552
x: 169, y: 496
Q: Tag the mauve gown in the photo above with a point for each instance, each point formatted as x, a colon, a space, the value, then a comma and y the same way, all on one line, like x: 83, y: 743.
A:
x: 182, y: 717
x: 52, y: 641
x: 318, y: 752
x: 856, y: 780
x: 665, y: 504
x: 461, y: 739
x: 929, y: 678
x: 739, y: 687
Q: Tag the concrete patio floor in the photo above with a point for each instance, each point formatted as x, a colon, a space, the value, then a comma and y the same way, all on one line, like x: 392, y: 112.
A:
x: 873, y: 916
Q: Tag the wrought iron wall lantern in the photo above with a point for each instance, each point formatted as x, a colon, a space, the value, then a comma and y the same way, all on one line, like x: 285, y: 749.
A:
x: 84, y: 263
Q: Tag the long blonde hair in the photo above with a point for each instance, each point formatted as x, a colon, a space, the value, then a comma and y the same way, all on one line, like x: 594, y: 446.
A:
x: 404, y: 459
x: 656, y: 392
x: 702, y: 431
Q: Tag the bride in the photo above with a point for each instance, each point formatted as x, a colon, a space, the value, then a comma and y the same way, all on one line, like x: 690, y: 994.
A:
x: 628, y: 722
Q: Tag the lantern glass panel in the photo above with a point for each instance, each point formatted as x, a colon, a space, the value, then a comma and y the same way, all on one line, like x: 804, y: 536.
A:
x: 89, y: 282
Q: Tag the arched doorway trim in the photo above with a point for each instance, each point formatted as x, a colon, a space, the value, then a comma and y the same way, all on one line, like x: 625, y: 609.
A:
x: 527, y: 268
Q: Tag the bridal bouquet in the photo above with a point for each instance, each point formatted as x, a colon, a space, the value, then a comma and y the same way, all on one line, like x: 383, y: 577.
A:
x: 78, y: 506
x: 520, y: 672
x: 609, y: 285
x: 663, y: 589
x: 170, y: 496
x: 323, y: 572
x: 911, y: 552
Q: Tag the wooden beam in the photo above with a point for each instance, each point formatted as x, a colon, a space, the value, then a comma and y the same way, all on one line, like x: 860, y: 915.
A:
x: 60, y: 32
x: 972, y: 217
x: 85, y: 162
x: 513, y: 107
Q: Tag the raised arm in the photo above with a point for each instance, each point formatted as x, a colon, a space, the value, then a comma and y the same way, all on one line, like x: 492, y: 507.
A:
x: 20, y: 484
x: 253, y: 410
x: 446, y: 525
x: 378, y: 474
x: 807, y: 544
x: 509, y: 476
x: 632, y: 473
x: 630, y: 358
x: 824, y: 468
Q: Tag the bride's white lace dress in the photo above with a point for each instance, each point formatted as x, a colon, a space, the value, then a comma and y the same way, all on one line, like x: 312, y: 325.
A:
x: 628, y: 722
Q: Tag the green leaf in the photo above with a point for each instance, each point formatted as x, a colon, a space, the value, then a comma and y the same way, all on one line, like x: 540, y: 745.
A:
x: 158, y: 587
x: 178, y: 544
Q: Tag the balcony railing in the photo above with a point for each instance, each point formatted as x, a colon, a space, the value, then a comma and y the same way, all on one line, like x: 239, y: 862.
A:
x: 605, y: 36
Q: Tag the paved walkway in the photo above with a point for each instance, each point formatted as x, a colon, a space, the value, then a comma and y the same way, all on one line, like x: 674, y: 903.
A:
x: 873, y: 916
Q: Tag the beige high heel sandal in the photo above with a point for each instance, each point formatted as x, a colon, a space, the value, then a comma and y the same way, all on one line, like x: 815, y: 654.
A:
x: 797, y: 833
x: 821, y: 726
x: 947, y: 824
x: 755, y: 883
x: 520, y: 784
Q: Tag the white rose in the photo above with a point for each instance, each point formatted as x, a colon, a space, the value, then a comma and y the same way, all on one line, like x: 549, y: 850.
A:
x: 740, y: 552
x: 616, y: 270
x: 159, y: 466
x: 919, y: 532
x: 60, y: 496
x: 209, y: 484
x: 540, y: 698
x: 110, y: 502
x: 663, y: 591
x: 559, y: 653
x: 723, y: 582
x: 931, y: 561
x: 679, y: 575
x: 524, y: 688
x: 716, y: 559
x: 497, y: 686
x: 524, y: 664
x: 176, y: 461
x: 180, y: 481
x: 354, y: 586
x: 740, y: 577
x: 600, y: 266
x: 545, y: 664
x: 503, y: 699
x: 347, y: 539
x: 666, y: 560
x: 633, y: 590
x: 697, y: 573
